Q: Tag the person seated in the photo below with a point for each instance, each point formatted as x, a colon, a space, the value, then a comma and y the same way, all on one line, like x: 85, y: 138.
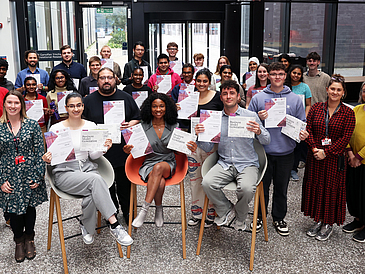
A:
x: 159, y: 118
x: 238, y: 160
x: 81, y: 177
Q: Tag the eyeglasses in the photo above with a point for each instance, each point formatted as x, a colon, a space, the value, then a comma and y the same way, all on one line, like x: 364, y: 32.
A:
x: 339, y: 79
x: 60, y: 78
x: 280, y: 75
x: 75, y: 106
x: 103, y: 78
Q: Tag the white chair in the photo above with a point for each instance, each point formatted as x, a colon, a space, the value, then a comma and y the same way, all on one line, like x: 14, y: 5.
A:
x: 259, y: 197
x: 106, y: 171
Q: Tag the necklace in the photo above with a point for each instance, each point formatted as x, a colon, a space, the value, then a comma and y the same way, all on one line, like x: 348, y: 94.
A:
x: 158, y: 126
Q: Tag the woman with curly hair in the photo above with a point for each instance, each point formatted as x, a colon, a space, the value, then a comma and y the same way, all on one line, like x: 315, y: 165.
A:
x: 61, y: 81
x: 159, y: 118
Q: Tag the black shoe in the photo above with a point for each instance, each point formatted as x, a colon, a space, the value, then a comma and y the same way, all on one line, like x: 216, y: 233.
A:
x: 353, y: 226
x: 258, y: 226
x: 281, y: 227
x: 359, y: 236
x: 193, y: 221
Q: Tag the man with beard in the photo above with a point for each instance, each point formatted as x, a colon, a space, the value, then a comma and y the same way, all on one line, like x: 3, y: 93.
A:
x: 93, y: 111
x: 31, y: 59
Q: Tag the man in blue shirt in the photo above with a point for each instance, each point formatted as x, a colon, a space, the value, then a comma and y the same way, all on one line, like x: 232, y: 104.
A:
x: 31, y: 59
x: 238, y: 160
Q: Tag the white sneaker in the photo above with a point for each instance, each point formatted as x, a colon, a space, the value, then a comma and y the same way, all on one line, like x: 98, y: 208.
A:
x: 121, y: 235
x: 239, y: 226
x: 223, y: 220
x: 88, y: 238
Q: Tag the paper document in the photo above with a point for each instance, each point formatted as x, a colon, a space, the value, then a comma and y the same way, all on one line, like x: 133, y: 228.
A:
x: 139, y: 97
x: 212, y: 124
x: 113, y: 132
x: 37, y: 77
x: 276, y: 110
x: 76, y: 83
x: 61, y: 98
x: 237, y: 127
x: 114, y: 112
x: 136, y: 136
x: 145, y: 75
x: 179, y: 140
x: 59, y: 143
x: 176, y: 66
x: 107, y: 63
x: 188, y: 101
x: 293, y: 127
x: 164, y: 83
x: 194, y: 122
x: 93, y: 140
x: 34, y: 110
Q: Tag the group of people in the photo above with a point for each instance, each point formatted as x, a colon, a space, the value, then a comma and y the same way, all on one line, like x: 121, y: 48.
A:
x: 332, y: 138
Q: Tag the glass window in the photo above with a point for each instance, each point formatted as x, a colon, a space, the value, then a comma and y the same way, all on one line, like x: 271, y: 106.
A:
x: 154, y: 44
x: 306, y: 28
x: 350, y: 40
x: 199, y: 40
x: 214, y: 45
x: 245, y: 39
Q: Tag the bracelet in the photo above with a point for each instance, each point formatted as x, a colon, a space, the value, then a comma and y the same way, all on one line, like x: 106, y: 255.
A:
x: 324, y: 154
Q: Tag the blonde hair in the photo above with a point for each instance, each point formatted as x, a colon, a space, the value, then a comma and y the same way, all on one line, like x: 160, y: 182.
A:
x: 23, y: 113
x: 225, y: 58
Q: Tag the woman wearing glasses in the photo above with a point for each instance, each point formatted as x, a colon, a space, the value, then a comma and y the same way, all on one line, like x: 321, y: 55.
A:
x: 80, y: 177
x: 330, y: 126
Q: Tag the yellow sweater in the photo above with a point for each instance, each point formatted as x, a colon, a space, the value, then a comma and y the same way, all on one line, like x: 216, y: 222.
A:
x: 357, y: 141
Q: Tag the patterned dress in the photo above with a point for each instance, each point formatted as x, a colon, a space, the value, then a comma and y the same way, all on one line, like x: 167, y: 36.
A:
x: 324, y: 190
x: 33, y: 168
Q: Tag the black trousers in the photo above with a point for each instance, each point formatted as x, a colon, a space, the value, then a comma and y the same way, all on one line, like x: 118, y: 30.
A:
x: 278, y: 171
x: 300, y: 154
x: 121, y: 189
x: 23, y: 223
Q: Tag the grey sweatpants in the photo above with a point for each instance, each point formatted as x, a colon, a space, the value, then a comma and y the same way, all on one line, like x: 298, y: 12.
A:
x: 82, y: 178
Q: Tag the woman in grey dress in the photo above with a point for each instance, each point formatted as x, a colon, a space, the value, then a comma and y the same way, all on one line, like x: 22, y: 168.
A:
x: 159, y: 118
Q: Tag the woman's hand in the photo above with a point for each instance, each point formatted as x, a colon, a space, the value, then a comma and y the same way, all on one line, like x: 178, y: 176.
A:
x: 254, y: 127
x: 124, y: 125
x: 48, y: 111
x: 178, y: 107
x: 127, y: 148
x: 47, y: 157
x: 108, y: 144
x: 244, y: 86
x: 155, y: 88
x: 353, y: 161
x: 33, y: 185
x: 319, y: 154
x: 303, y: 135
x: 199, y: 128
x: 263, y: 114
x: 6, y: 187
x: 192, y: 146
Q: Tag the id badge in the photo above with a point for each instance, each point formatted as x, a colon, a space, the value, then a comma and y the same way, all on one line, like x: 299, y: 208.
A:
x: 326, y: 142
x: 19, y: 159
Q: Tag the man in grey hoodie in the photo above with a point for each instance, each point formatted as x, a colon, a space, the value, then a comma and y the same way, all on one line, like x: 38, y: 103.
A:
x: 280, y: 152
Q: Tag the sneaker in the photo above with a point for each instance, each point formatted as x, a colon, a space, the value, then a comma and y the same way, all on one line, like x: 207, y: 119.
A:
x: 223, y: 220
x: 301, y: 165
x: 354, y: 226
x: 208, y: 223
x: 313, y: 231
x: 193, y: 221
x: 324, y: 233
x: 281, y: 227
x: 121, y: 235
x: 294, y: 176
x: 88, y: 238
x: 359, y: 236
x: 258, y: 226
x: 239, y: 226
x: 8, y: 223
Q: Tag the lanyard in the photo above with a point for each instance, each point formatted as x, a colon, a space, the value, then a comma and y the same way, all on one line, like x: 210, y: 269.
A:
x: 15, y: 137
x: 326, y: 116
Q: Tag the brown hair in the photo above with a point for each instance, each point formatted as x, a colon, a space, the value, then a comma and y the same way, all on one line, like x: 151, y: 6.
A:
x: 65, y: 47
x: 225, y: 58
x: 338, y: 78
x: 94, y: 59
x: 172, y: 44
x: 198, y: 56
x: 23, y: 113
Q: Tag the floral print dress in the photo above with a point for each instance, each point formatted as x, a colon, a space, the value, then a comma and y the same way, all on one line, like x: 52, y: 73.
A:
x: 30, y: 146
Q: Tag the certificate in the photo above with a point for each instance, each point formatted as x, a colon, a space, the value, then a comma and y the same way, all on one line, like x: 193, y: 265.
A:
x: 93, y: 89
x: 114, y: 112
x: 176, y: 66
x: 250, y: 79
x: 113, y: 132
x: 255, y: 91
x: 136, y: 136
x: 145, y: 74
x: 188, y: 101
x: 107, y: 63
x: 59, y: 143
x: 93, y: 140
x: 61, y: 98
x: 139, y: 97
x: 276, y: 110
x: 194, y: 122
x: 237, y: 127
x: 34, y: 110
x: 212, y: 123
x: 179, y: 140
x: 164, y: 83
x: 36, y: 76
x: 76, y: 82
x: 187, y: 87
x: 293, y: 127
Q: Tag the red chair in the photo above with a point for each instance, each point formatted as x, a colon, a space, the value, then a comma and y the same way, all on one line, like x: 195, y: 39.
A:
x: 131, y: 169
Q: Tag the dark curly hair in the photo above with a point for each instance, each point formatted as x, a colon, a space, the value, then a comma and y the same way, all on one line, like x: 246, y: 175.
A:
x: 69, y: 83
x: 171, y: 110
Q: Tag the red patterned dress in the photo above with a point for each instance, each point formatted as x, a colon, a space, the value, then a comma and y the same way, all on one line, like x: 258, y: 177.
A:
x: 324, y: 190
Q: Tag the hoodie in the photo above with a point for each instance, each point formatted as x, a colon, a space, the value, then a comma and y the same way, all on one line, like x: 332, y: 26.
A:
x: 175, y: 79
x: 280, y: 144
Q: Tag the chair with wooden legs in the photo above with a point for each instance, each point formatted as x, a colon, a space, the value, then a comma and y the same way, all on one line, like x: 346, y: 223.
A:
x: 259, y: 197
x: 131, y: 169
x: 106, y: 171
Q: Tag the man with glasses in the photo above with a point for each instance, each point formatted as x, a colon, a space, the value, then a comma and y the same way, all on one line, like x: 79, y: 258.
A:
x: 188, y: 80
x: 175, y: 63
x: 136, y: 62
x: 93, y: 111
x: 280, y: 152
x: 316, y: 80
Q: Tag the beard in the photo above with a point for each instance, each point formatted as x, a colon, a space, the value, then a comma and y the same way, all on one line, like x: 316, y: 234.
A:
x: 32, y: 64
x: 107, y: 89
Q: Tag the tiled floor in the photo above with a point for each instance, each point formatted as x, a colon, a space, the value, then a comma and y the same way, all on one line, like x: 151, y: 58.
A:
x: 159, y: 250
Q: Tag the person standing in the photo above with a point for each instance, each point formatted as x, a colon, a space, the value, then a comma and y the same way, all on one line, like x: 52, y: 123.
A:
x: 93, y: 111
x: 5, y: 83
x: 316, y: 80
x: 22, y: 172
x: 262, y: 80
x: 330, y: 126
x: 280, y: 151
x: 106, y: 53
x: 89, y: 84
x: 31, y: 59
